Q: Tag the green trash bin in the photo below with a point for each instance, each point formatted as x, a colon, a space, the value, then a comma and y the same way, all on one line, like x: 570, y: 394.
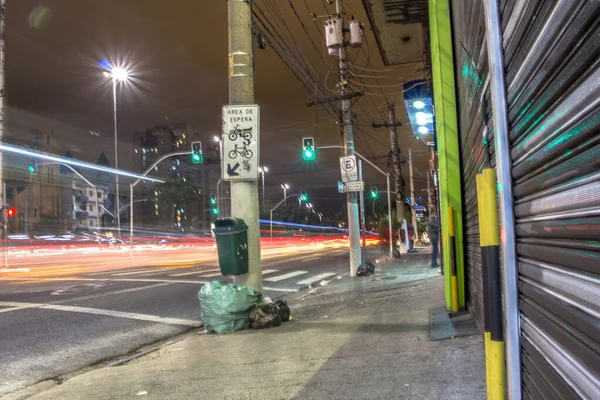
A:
x: 232, y: 245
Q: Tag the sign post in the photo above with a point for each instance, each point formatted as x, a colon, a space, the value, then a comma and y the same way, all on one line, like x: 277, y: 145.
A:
x: 241, y: 145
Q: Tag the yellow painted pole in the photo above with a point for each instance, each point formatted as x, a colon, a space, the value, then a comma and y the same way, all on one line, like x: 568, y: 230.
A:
x: 452, y: 246
x: 489, y: 240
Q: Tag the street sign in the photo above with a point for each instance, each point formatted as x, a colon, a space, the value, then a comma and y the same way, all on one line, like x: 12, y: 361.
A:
x: 358, y: 186
x: 419, y: 215
x: 418, y: 207
x: 348, y: 168
x: 345, y: 187
x: 407, y: 200
x: 241, y: 132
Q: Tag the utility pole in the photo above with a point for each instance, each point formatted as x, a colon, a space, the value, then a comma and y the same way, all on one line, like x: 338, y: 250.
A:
x: 412, y: 194
x: 2, y: 100
x: 392, y: 125
x: 244, y: 194
x: 363, y: 227
x: 348, y: 129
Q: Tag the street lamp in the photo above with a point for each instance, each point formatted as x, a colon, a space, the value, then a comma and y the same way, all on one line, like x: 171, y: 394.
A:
x: 116, y: 74
x: 285, y: 188
x: 262, y: 171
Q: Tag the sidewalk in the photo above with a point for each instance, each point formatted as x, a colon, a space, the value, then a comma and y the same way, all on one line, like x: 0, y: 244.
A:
x: 356, y: 338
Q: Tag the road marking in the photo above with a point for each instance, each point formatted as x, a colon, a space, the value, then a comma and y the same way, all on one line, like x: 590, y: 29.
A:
x: 311, y: 259
x: 269, y: 271
x: 211, y: 275
x: 144, y: 271
x: 315, y: 278
x: 107, y: 313
x: 196, y: 272
x: 286, y: 276
x: 101, y: 279
x: 279, y: 289
x: 93, y: 296
x: 14, y: 270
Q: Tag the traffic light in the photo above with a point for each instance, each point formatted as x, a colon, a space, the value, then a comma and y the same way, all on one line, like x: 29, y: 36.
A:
x: 308, y: 145
x: 11, y: 212
x: 215, y: 210
x: 31, y: 167
x: 303, y: 196
x: 374, y: 193
x: 213, y: 199
x: 197, y: 152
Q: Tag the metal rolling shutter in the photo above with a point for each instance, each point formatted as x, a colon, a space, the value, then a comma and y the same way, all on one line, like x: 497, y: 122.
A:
x: 474, y: 121
x: 552, y: 63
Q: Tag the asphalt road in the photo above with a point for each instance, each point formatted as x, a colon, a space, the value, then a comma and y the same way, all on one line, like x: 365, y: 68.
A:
x: 54, y: 325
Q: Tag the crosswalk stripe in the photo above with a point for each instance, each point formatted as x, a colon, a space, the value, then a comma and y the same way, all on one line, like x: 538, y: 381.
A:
x: 196, y: 272
x: 135, y: 272
x: 211, y: 275
x: 269, y: 271
x: 286, y: 276
x: 315, y: 278
x: 311, y: 259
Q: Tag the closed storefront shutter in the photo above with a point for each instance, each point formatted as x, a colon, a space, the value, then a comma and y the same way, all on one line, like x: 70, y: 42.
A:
x: 475, y: 127
x: 552, y: 65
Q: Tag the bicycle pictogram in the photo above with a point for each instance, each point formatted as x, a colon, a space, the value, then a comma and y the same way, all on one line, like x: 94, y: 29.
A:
x: 243, y: 151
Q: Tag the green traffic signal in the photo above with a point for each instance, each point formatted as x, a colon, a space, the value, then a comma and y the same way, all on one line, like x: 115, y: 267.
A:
x: 308, y: 145
x: 196, y: 152
x: 374, y: 193
x: 303, y: 196
x: 215, y: 211
x: 213, y: 199
x: 31, y: 168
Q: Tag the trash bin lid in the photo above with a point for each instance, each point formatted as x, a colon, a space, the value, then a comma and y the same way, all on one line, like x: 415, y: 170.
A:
x: 231, y: 225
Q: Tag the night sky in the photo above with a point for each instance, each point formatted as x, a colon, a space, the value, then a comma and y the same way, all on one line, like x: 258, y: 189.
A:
x: 177, y: 52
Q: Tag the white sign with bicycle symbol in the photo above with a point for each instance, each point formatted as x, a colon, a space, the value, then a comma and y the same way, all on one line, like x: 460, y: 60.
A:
x: 241, y: 134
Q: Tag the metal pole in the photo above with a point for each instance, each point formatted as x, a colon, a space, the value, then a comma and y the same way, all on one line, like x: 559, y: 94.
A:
x: 362, y: 215
x: 131, y: 213
x: 348, y: 127
x: 114, y: 82
x: 507, y: 217
x: 284, y: 195
x: 389, y: 199
x: 97, y: 207
x: 271, y: 222
x: 412, y: 194
x: 2, y: 104
x: 244, y: 195
x: 263, y: 189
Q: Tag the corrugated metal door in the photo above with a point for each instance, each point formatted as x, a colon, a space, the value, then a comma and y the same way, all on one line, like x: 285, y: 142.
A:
x: 552, y: 62
x: 474, y: 121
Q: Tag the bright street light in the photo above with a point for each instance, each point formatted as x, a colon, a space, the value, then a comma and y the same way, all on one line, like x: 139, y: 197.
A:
x: 262, y: 171
x: 423, y: 129
x: 116, y: 74
x: 285, y: 188
x: 216, y: 138
x: 418, y: 104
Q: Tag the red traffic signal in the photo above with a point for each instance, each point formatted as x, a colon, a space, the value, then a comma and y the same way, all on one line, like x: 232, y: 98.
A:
x: 11, y: 212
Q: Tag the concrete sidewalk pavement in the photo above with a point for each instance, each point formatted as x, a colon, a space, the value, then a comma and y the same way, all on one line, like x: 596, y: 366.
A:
x: 360, y: 338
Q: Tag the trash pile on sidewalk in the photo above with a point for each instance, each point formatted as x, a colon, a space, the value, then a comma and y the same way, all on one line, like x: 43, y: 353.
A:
x: 365, y: 269
x: 227, y: 307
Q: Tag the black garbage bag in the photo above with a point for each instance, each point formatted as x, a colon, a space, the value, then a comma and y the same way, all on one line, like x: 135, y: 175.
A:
x: 262, y: 317
x: 283, y: 309
x: 365, y: 269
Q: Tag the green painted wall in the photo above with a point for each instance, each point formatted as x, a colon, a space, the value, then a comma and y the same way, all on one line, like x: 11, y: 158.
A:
x: 442, y: 61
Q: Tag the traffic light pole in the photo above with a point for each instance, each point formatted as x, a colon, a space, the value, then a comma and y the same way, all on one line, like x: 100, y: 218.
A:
x: 362, y: 216
x: 389, y: 196
x: 138, y: 180
x: 244, y: 194
x: 273, y: 209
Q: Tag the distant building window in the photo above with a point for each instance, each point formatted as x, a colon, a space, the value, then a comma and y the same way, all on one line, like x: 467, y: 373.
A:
x: 91, y: 223
x: 91, y: 207
x: 48, y: 139
x: 91, y: 193
x: 35, y: 212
